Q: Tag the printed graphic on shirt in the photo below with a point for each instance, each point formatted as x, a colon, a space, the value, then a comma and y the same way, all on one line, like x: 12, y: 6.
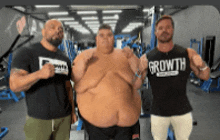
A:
x: 165, y: 68
x: 61, y: 67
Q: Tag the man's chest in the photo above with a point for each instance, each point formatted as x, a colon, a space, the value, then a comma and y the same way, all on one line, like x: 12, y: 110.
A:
x: 101, y: 66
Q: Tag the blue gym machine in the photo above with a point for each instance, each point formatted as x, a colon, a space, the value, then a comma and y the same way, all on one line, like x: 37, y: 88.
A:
x: 4, y: 131
x: 5, y: 91
x: 67, y: 46
x: 209, y: 86
x: 206, y: 85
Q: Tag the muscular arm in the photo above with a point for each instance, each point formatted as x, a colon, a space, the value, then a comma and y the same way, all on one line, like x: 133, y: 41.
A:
x: 201, y: 74
x: 21, y: 80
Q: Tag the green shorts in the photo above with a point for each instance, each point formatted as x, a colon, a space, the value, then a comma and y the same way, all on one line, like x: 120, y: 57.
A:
x: 56, y: 129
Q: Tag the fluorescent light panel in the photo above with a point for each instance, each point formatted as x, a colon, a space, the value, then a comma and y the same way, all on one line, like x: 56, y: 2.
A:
x: 90, y: 18
x: 92, y: 22
x: 93, y: 25
x: 57, y: 13
x: 146, y: 10
x: 76, y: 26
x: 66, y: 18
x: 110, y: 21
x: 111, y: 17
x: 71, y: 23
x: 47, y: 6
x: 111, y: 11
x: 86, y: 12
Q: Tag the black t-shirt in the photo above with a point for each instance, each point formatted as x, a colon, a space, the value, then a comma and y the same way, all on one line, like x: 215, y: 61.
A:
x: 168, y: 74
x: 48, y: 98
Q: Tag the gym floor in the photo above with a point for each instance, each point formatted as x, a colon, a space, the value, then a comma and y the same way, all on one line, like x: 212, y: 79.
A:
x: 206, y: 112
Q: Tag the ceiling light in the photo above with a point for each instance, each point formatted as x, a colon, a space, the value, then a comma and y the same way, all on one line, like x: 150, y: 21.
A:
x: 76, y: 26
x: 92, y: 22
x: 86, y: 12
x: 57, y: 13
x: 89, y: 18
x: 111, y: 11
x: 126, y: 30
x: 110, y: 21
x: 70, y: 23
x: 66, y: 18
x: 47, y: 6
x: 146, y: 10
x: 111, y: 17
x: 93, y: 25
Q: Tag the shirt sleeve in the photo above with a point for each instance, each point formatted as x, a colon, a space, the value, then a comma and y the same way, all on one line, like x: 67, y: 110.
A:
x: 21, y: 59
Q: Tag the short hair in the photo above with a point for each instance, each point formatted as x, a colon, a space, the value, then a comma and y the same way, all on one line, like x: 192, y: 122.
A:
x: 165, y: 17
x: 105, y: 26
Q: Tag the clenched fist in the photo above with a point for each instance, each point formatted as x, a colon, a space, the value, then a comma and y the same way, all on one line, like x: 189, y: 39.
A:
x: 143, y: 63
x: 47, y: 71
x: 127, y: 52
x: 197, y: 61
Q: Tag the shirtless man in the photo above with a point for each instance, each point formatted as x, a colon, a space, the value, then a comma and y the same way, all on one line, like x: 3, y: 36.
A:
x: 106, y: 82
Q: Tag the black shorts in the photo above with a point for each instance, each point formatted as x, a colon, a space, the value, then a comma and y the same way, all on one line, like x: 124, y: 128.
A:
x: 113, y: 132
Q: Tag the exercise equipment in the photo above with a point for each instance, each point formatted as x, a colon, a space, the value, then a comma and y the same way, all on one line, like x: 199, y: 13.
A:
x: 4, y: 131
x: 5, y: 91
x: 200, y: 45
x: 213, y: 83
x: 67, y: 47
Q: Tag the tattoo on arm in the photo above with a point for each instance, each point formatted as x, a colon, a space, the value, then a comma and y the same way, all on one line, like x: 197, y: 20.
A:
x: 15, y: 70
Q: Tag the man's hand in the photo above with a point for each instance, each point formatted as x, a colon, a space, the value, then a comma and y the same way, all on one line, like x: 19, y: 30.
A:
x: 143, y: 63
x: 47, y: 71
x: 83, y: 62
x: 127, y: 52
x: 197, y: 61
x: 132, y: 59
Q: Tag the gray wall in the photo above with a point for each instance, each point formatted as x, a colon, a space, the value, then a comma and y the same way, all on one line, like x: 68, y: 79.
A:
x: 194, y: 22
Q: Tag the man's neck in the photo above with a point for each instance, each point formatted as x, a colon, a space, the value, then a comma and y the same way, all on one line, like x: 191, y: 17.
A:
x: 165, y: 47
x: 48, y: 46
x: 103, y: 52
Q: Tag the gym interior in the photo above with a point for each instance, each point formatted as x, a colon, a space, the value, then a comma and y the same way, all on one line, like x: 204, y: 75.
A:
x: 196, y: 27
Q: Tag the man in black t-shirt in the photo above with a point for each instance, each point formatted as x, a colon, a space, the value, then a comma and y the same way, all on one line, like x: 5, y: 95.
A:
x: 169, y: 67
x: 44, y: 72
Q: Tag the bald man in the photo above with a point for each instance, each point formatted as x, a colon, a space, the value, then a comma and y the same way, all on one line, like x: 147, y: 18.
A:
x: 106, y: 82
x: 44, y: 72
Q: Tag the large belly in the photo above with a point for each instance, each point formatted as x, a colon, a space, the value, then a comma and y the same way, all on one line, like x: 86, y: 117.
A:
x: 111, y: 102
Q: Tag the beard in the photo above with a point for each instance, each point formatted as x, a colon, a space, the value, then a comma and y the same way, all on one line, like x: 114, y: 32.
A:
x: 55, y: 42
x: 165, y: 39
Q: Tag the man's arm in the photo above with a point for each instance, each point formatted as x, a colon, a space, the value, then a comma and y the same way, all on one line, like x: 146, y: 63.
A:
x: 21, y: 80
x: 71, y: 100
x: 138, y: 67
x: 141, y: 72
x: 79, y: 65
x: 199, y: 67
